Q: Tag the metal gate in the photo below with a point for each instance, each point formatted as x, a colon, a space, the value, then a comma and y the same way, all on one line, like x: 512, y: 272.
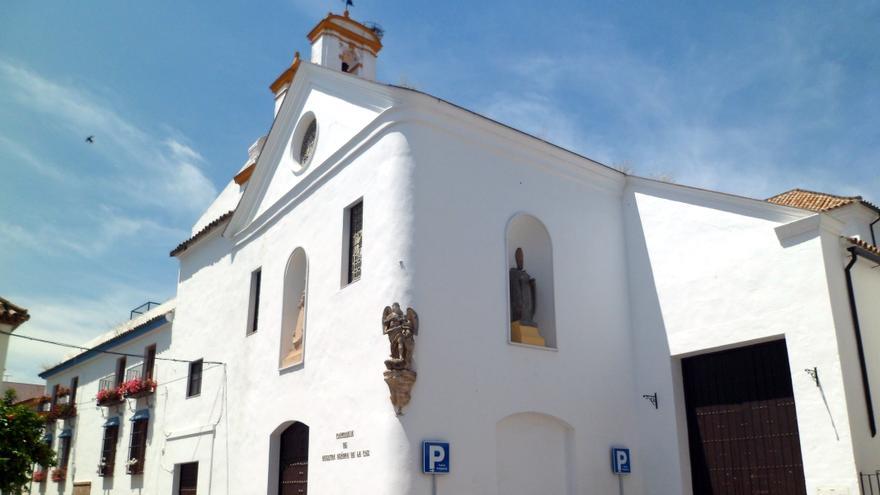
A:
x: 742, y: 426
x: 294, y: 460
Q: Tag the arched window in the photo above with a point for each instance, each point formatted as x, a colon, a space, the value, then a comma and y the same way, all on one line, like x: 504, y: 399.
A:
x: 293, y: 317
x: 293, y: 460
x: 530, y: 272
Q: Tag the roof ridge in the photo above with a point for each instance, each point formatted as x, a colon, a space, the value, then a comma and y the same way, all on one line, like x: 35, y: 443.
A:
x: 809, y: 191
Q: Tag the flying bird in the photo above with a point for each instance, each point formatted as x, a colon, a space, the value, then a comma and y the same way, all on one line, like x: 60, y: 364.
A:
x: 90, y: 139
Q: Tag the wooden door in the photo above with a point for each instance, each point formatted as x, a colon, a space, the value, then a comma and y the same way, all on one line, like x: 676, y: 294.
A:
x: 294, y: 460
x: 742, y: 425
x: 189, y: 478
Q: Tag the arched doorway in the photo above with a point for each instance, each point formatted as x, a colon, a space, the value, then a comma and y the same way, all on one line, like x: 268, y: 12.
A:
x: 293, y: 460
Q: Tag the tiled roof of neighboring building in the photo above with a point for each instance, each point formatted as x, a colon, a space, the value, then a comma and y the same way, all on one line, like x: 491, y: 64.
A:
x: 816, y: 201
x: 183, y: 246
x: 11, y: 314
x: 867, y: 246
x: 24, y: 391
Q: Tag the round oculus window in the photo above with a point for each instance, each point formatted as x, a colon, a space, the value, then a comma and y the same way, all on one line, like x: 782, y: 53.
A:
x: 307, y: 145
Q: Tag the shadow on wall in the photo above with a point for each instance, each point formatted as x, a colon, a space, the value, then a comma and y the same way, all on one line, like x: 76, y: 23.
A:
x: 656, y: 371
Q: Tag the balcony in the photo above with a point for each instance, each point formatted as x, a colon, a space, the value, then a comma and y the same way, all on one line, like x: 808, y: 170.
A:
x: 136, y: 385
x: 108, y: 393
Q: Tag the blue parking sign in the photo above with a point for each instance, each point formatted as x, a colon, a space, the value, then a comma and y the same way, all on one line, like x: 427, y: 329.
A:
x: 435, y: 457
x: 620, y: 460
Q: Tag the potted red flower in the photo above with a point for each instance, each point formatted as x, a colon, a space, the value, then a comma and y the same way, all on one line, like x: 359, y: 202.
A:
x: 64, y: 411
x: 59, y: 474
x: 139, y: 387
x: 39, y: 476
x: 109, y: 396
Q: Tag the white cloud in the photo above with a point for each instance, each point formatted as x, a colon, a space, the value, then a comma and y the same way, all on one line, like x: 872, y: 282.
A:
x: 110, y: 227
x: 72, y: 320
x: 733, y: 118
x: 147, y: 168
x: 42, y: 166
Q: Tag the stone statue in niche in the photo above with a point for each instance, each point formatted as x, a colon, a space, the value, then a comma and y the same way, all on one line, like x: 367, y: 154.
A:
x: 296, y: 348
x: 523, y: 303
x: 401, y: 330
x: 523, y: 292
x: 351, y: 62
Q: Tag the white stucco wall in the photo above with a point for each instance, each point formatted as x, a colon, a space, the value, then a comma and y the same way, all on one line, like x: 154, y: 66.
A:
x: 470, y: 180
x: 725, y: 273
x: 866, y: 284
x: 339, y: 387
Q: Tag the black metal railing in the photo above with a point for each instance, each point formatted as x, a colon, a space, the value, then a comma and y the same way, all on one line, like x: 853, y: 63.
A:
x: 143, y: 308
x: 870, y: 483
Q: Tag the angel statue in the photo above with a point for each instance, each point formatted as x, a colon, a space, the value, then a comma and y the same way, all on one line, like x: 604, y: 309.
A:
x: 401, y: 330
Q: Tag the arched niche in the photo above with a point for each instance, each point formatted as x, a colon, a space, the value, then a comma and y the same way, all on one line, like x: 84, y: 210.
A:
x: 528, y: 234
x: 293, y: 317
x: 534, y: 453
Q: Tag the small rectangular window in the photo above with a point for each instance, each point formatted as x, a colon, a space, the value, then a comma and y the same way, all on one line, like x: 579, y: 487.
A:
x: 137, y: 447
x: 354, y: 241
x: 194, y: 384
x: 64, y: 454
x: 149, y: 361
x: 120, y: 371
x: 189, y: 477
x: 254, y: 305
x: 74, y: 383
x: 108, y: 451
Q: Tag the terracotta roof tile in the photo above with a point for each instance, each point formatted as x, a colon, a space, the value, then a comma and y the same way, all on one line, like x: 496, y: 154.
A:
x: 811, y: 200
x: 183, y: 246
x: 11, y: 314
x: 867, y: 246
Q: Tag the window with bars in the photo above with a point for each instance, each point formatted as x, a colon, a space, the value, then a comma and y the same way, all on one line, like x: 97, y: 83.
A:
x: 355, y: 238
x: 194, y: 384
x: 137, y: 447
x: 64, y: 451
x: 254, y: 304
x: 108, y: 451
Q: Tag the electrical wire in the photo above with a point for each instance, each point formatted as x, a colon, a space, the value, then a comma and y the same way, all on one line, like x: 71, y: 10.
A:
x: 62, y: 344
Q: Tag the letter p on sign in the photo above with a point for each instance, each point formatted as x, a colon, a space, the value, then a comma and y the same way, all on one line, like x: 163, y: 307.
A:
x: 435, y: 457
x: 620, y: 461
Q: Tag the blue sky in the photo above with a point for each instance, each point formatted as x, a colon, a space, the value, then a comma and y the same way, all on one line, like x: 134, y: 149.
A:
x: 751, y: 98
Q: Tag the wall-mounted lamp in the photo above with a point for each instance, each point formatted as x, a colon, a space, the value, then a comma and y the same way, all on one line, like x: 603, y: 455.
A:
x: 652, y: 399
x: 814, y: 374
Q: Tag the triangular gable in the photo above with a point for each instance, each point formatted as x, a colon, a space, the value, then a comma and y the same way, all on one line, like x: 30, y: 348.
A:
x: 343, y: 105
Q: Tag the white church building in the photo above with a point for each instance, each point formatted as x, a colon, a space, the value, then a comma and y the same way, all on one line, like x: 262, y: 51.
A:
x: 551, y: 309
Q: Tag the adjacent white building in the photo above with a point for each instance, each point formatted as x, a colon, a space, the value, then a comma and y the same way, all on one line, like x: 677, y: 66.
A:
x: 732, y: 344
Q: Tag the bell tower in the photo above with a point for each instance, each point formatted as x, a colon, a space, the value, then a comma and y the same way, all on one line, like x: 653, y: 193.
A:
x: 341, y: 43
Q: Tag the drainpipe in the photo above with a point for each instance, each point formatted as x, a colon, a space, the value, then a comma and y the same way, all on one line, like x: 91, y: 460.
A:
x: 854, y: 311
x: 871, y: 226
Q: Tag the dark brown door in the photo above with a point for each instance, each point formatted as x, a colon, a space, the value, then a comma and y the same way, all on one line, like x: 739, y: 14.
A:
x: 189, y: 478
x: 294, y: 460
x: 742, y: 425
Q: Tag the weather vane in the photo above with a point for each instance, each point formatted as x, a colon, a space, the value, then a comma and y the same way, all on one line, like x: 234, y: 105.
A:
x: 348, y: 3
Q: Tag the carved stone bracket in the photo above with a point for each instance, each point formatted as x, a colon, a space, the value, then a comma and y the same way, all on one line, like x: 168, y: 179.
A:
x: 400, y: 383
